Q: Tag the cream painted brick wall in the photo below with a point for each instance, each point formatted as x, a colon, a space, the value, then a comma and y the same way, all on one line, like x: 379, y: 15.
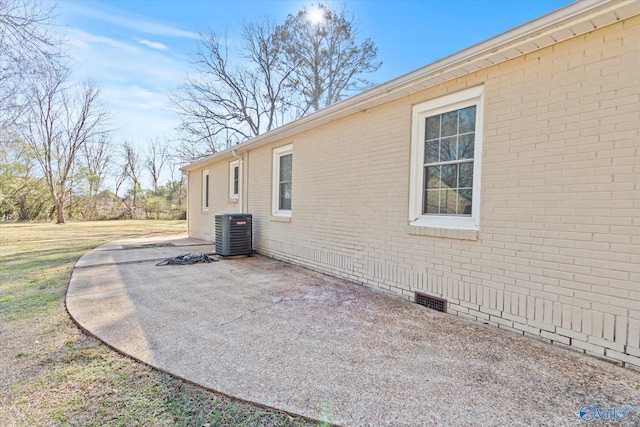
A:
x: 201, y: 223
x: 558, y: 252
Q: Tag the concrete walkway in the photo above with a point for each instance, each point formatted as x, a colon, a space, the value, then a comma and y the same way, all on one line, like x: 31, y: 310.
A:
x: 284, y: 337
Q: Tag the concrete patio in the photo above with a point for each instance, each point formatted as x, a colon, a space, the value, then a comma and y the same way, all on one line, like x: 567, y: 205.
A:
x: 284, y: 337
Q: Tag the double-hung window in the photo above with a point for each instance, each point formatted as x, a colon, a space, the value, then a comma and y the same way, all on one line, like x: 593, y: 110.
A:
x: 446, y: 149
x: 205, y: 190
x: 234, y: 179
x: 282, y: 180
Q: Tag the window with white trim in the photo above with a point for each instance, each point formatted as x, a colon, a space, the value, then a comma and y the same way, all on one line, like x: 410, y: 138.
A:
x: 446, y: 161
x: 234, y: 179
x: 205, y: 190
x: 282, y: 180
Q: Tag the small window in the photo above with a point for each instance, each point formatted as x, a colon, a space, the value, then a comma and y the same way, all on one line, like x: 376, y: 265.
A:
x: 234, y: 179
x: 445, y: 167
x: 282, y: 180
x: 205, y: 190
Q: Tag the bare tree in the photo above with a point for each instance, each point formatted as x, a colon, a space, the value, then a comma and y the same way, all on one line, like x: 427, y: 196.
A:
x: 60, y: 120
x: 27, y: 48
x: 226, y: 101
x: 120, y: 180
x: 97, y: 159
x: 177, y: 182
x: 94, y: 165
x: 157, y: 157
x: 329, y: 62
x: 280, y: 73
x: 132, y: 170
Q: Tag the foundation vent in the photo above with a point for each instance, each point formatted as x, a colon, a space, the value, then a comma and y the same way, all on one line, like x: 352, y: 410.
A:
x: 434, y: 303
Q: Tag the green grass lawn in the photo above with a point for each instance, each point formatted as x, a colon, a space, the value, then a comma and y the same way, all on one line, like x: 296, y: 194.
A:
x: 51, y: 373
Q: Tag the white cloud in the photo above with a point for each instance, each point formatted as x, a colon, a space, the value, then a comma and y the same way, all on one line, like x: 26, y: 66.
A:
x: 106, y: 60
x: 128, y: 20
x: 153, y: 45
x: 83, y: 40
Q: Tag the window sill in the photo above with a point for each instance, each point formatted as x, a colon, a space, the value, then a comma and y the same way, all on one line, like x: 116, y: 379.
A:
x: 233, y: 200
x: 450, y: 233
x: 276, y: 218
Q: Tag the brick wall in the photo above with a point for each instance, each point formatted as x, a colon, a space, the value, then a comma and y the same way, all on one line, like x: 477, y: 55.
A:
x: 557, y: 256
x: 201, y: 223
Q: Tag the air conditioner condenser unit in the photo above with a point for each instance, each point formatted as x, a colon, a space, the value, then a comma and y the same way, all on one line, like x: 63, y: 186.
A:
x: 233, y: 234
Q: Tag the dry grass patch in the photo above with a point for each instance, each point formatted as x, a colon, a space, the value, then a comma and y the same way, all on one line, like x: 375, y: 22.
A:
x: 53, y: 374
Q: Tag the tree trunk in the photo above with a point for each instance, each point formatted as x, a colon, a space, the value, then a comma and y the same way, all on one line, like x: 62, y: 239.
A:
x: 60, y: 210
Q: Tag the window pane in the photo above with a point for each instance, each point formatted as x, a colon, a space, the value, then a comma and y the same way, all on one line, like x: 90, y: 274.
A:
x: 285, y: 167
x: 431, y: 151
x: 449, y: 176
x: 285, y: 182
x: 431, y: 202
x: 235, y: 179
x: 466, y: 175
x: 448, y: 201
x: 432, y: 177
x: 464, y: 201
x: 450, y: 123
x: 285, y: 196
x: 432, y: 128
x: 206, y: 191
x: 448, y: 149
x: 465, y: 146
x: 468, y: 119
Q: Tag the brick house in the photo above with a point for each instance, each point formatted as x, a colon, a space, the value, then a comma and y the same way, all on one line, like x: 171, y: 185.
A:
x: 503, y: 179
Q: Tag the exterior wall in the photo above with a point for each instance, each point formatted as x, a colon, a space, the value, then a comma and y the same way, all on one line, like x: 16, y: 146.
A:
x: 201, y: 223
x: 557, y: 256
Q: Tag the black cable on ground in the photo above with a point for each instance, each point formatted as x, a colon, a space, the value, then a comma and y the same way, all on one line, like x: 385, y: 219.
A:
x: 187, y: 259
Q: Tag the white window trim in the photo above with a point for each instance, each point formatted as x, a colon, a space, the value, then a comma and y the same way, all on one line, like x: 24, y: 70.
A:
x: 275, y: 200
x: 205, y: 176
x: 232, y: 166
x: 455, y: 101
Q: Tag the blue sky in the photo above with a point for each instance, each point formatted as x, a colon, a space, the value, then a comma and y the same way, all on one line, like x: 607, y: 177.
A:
x: 139, y: 51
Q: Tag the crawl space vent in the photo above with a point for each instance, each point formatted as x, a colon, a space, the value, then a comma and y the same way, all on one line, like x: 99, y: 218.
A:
x: 434, y: 303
